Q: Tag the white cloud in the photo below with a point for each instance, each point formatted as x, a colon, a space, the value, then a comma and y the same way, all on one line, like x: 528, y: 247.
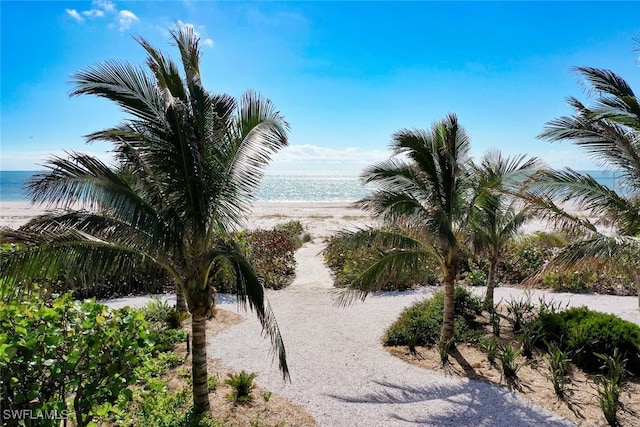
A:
x: 126, y: 19
x: 74, y: 14
x: 93, y: 13
x: 105, y: 5
x: 208, y: 42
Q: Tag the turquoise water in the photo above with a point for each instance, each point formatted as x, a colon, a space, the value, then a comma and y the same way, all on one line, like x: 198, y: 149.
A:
x: 276, y: 188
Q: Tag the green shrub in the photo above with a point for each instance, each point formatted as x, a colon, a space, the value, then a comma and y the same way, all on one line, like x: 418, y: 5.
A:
x: 164, y: 340
x: 585, y: 333
x: 490, y: 346
x: 421, y: 323
x: 475, y: 275
x: 347, y: 263
x: 579, y: 280
x: 292, y: 228
x: 241, y: 386
x: 508, y: 359
x: 272, y: 255
x: 610, y: 386
x: 559, y: 369
x: 523, y: 258
x: 159, y: 311
x: 64, y: 350
x: 522, y: 311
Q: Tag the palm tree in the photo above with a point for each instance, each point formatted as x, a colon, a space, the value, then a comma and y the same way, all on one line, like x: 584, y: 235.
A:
x: 420, y: 192
x: 609, y: 131
x: 188, y: 164
x: 497, y: 214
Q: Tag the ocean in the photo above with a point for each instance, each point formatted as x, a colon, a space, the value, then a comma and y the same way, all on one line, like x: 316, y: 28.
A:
x: 276, y: 188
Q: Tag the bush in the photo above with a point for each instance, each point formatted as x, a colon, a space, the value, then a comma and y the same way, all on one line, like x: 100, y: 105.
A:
x: 348, y: 262
x: 578, y: 280
x: 241, y: 387
x: 53, y: 352
x: 584, y: 334
x: 523, y: 259
x: 422, y: 322
x: 272, y: 255
x: 296, y: 231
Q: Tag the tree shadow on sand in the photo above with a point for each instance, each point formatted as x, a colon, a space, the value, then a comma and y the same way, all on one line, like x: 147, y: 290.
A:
x: 469, y: 403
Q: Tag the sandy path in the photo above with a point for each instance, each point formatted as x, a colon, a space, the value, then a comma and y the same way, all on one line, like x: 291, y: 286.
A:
x: 342, y: 375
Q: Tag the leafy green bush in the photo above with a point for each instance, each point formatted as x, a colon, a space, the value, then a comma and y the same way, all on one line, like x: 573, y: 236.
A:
x: 348, y: 262
x: 584, y: 333
x: 578, y: 280
x: 523, y: 259
x: 53, y: 352
x: 272, y: 254
x: 475, y: 275
x: 422, y: 322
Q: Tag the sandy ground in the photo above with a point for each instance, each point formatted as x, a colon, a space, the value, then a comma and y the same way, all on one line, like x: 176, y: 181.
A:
x: 340, y: 372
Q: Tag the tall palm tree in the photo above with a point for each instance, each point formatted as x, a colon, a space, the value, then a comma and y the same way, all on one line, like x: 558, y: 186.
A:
x: 497, y: 215
x: 188, y: 164
x: 609, y: 131
x: 421, y: 192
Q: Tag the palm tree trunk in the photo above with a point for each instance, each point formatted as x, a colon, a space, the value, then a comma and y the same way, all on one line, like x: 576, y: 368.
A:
x: 491, y: 282
x: 199, y: 362
x: 181, y: 303
x: 449, y: 309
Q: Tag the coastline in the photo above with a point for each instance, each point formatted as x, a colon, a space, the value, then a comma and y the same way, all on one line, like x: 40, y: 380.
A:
x: 321, y: 219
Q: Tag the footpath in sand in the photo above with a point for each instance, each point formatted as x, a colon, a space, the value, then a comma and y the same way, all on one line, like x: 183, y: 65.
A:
x: 340, y: 372
x: 342, y: 375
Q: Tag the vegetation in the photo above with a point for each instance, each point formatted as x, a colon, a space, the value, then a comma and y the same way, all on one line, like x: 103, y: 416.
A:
x: 584, y: 334
x: 611, y: 385
x: 559, y: 369
x: 420, y: 192
x: 241, y: 386
x: 188, y: 164
x: 349, y: 262
x: 608, y: 131
x: 68, y: 356
x: 508, y: 360
x: 496, y: 215
x: 421, y: 323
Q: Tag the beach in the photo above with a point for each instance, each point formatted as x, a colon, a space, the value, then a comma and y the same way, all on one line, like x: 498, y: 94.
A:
x: 340, y: 372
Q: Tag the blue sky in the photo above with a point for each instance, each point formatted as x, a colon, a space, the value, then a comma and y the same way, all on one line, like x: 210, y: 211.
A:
x: 346, y: 75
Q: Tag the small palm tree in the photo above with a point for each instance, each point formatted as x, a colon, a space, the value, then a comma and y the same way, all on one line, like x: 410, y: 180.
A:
x: 497, y: 215
x: 609, y: 131
x: 420, y: 194
x: 188, y: 164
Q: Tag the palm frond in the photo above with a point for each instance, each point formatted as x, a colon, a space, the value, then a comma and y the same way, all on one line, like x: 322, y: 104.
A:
x: 130, y: 87
x: 259, y: 132
x: 49, y: 255
x: 386, y: 266
x: 250, y: 291
x: 608, y: 248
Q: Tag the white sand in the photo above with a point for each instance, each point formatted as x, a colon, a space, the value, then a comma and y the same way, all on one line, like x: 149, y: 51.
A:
x: 340, y: 372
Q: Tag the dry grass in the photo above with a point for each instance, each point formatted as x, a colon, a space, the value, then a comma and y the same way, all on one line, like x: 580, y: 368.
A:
x: 581, y: 406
